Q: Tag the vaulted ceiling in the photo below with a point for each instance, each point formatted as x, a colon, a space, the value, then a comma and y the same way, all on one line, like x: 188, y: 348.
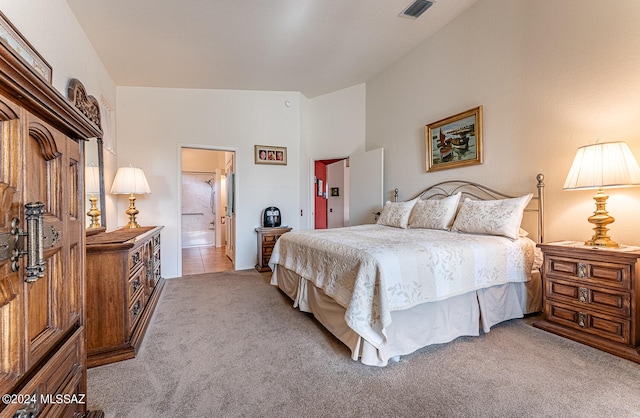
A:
x: 312, y: 46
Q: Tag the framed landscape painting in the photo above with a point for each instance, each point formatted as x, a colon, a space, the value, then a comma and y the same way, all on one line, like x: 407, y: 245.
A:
x: 455, y: 141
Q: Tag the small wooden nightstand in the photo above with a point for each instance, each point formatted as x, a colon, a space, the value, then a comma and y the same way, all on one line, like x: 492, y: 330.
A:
x: 267, y: 238
x: 591, y: 296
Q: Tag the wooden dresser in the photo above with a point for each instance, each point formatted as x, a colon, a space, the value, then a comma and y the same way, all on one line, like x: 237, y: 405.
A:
x: 592, y: 296
x: 123, y: 284
x: 267, y: 238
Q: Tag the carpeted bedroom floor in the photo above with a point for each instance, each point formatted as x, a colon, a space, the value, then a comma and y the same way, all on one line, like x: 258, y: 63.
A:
x: 230, y: 345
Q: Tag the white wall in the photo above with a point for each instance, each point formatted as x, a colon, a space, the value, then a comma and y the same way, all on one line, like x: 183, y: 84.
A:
x: 337, y: 123
x: 154, y: 122
x: 52, y: 29
x: 551, y: 76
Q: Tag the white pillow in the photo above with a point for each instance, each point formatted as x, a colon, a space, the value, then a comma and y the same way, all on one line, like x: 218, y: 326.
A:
x: 396, y: 214
x: 435, y: 213
x: 492, y: 217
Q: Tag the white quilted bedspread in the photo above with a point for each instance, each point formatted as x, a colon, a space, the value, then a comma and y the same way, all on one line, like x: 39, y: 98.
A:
x: 372, y: 270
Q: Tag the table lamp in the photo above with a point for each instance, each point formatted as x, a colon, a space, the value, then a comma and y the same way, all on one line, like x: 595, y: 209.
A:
x: 599, y: 166
x: 92, y: 186
x: 131, y: 181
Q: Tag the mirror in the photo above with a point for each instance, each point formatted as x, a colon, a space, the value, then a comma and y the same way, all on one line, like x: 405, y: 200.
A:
x: 94, y: 157
x: 93, y: 149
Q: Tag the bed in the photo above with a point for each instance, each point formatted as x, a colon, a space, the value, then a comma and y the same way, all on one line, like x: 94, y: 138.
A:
x: 450, y: 262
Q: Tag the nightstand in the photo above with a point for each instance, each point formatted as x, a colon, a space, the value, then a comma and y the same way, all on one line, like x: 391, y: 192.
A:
x: 591, y: 295
x: 267, y: 238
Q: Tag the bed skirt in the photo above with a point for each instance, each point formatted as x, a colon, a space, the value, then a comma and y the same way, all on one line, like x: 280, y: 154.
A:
x: 423, y: 325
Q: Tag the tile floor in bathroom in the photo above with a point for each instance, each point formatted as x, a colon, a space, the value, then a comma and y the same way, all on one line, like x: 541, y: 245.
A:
x: 197, y: 260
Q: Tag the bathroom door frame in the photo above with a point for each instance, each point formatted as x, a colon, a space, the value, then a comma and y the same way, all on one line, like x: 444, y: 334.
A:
x: 202, y: 147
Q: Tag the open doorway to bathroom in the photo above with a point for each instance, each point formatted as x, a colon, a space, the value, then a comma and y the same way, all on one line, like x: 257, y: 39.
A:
x: 207, y: 225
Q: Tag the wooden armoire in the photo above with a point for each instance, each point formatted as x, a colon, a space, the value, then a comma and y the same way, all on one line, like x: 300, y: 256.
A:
x: 42, y: 250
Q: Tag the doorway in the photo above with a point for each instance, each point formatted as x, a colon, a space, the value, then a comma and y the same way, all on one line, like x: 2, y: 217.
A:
x: 331, y: 201
x: 358, y: 191
x: 206, y: 225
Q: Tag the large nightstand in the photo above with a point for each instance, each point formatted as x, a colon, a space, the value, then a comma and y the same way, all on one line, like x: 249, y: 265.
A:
x: 591, y: 296
x: 267, y: 238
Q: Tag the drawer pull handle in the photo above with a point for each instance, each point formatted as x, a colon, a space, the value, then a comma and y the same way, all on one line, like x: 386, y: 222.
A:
x: 582, y: 319
x: 582, y: 270
x: 583, y: 294
x: 136, y: 309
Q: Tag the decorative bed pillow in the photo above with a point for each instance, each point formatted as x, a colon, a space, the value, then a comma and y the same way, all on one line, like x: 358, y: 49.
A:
x: 396, y: 214
x: 435, y: 213
x: 492, y: 217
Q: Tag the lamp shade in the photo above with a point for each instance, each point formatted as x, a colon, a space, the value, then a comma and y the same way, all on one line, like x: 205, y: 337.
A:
x: 92, y: 179
x: 130, y: 180
x: 601, y: 165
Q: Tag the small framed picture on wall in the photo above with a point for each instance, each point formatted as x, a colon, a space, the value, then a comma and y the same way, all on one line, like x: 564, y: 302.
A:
x: 265, y: 154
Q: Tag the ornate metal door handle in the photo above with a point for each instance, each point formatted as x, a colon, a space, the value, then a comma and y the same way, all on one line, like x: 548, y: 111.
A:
x: 35, y: 241
x: 13, y: 245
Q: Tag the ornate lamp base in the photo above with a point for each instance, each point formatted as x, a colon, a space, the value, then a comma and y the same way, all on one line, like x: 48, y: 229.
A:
x: 132, y: 212
x: 601, y: 219
x: 94, y: 213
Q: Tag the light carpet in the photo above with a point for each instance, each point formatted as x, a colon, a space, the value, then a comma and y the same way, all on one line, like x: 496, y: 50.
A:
x: 231, y: 345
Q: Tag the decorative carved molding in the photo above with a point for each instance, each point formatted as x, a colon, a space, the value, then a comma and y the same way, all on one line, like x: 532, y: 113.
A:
x: 6, y: 201
x: 6, y: 290
x: 44, y: 138
x: 7, y: 293
x: 6, y: 113
x: 32, y: 92
x: 88, y: 105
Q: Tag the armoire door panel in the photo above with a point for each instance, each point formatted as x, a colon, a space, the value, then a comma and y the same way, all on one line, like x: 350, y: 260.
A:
x: 12, y: 363
x: 74, y: 194
x: 74, y: 310
x: 42, y: 336
x: 54, y: 301
x: 45, y: 301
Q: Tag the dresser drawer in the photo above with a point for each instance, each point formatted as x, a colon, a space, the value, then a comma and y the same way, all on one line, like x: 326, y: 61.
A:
x: 596, y: 323
x: 616, y: 302
x: 135, y: 282
x: 594, y: 272
x: 269, y: 239
x: 135, y: 310
x: 62, y: 375
x: 135, y: 259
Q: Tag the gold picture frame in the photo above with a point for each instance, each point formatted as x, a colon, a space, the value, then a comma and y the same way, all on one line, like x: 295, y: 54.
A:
x: 266, y: 154
x: 10, y: 35
x: 455, y: 141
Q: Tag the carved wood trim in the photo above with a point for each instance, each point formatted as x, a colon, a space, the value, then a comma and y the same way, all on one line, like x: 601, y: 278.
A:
x: 29, y: 90
x: 7, y: 293
x: 88, y: 105
x: 44, y: 138
x: 6, y: 113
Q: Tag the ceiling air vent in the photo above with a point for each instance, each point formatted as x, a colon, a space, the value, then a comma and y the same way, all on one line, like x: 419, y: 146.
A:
x: 415, y: 9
